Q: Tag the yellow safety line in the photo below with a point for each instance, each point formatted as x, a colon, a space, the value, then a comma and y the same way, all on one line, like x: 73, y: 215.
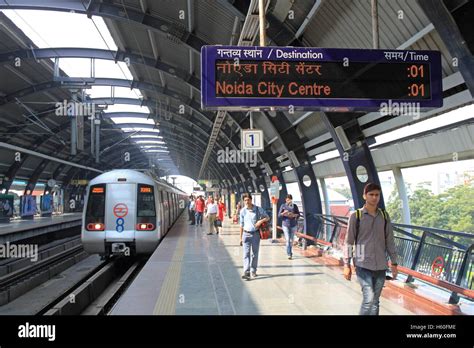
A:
x: 166, y: 303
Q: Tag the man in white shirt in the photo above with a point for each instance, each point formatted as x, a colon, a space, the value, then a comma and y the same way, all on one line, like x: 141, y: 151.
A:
x: 211, y: 214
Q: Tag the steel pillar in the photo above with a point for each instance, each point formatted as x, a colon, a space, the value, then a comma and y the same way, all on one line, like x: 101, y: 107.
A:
x: 261, y: 183
x: 449, y: 32
x: 310, y: 197
x: 327, y: 206
x: 283, y: 192
x: 355, y: 154
x: 402, y: 193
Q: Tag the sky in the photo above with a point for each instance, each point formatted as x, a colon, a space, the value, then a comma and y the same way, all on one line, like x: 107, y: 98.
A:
x: 79, y: 31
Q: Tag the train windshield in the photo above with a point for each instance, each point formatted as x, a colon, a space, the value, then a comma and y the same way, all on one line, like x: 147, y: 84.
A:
x: 145, y: 201
x: 96, y: 203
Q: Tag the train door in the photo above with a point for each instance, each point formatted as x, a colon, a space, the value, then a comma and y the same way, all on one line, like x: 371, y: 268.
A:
x: 165, y: 211
x: 120, y: 216
x: 169, y: 208
x: 174, y: 207
x: 159, y: 213
x: 162, y: 214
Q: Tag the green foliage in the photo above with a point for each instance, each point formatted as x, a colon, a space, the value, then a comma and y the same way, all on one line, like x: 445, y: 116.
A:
x: 346, y: 191
x: 451, y: 210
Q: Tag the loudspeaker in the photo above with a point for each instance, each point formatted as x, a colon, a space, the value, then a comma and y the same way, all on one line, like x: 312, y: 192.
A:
x: 341, y: 135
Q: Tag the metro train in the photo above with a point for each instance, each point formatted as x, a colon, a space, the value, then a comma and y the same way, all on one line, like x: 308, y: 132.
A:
x: 127, y: 212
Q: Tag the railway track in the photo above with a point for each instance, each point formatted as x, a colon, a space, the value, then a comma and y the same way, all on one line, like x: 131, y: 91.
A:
x: 20, y: 281
x: 96, y: 293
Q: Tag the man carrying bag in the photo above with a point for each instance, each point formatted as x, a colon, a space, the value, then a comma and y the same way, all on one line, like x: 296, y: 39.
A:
x: 251, y: 219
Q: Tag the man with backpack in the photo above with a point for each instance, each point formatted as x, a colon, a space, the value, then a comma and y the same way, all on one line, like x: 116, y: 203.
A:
x: 370, y: 230
x: 251, y: 219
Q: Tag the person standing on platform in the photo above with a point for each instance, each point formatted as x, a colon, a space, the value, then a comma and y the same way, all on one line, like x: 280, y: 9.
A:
x: 192, y: 213
x: 251, y: 218
x: 370, y: 230
x: 289, y: 213
x: 237, y: 213
x: 199, y: 208
x: 211, y: 214
x: 220, y: 214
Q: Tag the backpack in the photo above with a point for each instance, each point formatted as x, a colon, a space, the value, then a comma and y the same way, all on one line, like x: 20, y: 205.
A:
x: 359, y: 215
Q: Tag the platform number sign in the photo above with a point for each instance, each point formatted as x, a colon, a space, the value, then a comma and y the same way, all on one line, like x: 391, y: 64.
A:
x: 252, y: 140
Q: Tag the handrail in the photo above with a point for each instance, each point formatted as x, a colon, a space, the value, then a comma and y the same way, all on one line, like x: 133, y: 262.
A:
x: 430, y: 229
x: 455, y: 288
x: 438, y: 282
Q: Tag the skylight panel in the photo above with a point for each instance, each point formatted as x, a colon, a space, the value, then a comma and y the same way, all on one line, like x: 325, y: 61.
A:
x: 127, y: 108
x: 139, y: 136
x: 144, y: 129
x: 150, y: 142
x: 122, y: 120
x: 45, y: 33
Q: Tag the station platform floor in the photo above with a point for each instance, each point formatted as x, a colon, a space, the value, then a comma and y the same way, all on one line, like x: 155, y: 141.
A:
x: 192, y: 273
x: 20, y: 229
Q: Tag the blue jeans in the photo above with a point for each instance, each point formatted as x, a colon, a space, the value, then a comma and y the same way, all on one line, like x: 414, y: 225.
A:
x: 198, y: 218
x: 251, y: 241
x: 289, y: 235
x: 372, y: 284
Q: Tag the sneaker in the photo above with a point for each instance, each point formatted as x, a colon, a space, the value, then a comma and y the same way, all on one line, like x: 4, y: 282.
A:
x: 254, y: 275
x: 210, y: 233
x: 217, y: 232
x: 290, y: 257
x: 246, y: 276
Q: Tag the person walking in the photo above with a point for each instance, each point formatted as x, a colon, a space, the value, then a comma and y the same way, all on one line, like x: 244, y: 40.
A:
x: 251, y: 218
x: 211, y: 214
x: 370, y: 230
x: 237, y: 213
x: 199, y: 208
x: 289, y: 214
x: 192, y: 213
x: 220, y: 214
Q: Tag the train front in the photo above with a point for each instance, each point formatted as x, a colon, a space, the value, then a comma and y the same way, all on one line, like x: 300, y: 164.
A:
x: 120, y: 215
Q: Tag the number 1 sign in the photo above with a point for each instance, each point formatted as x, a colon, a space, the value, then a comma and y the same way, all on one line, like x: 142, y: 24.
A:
x: 252, y: 140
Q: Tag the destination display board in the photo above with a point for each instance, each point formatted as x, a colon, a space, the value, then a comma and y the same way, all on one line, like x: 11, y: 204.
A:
x: 236, y: 78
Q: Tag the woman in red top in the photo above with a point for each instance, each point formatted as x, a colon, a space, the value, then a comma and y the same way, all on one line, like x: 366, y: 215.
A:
x: 220, y: 213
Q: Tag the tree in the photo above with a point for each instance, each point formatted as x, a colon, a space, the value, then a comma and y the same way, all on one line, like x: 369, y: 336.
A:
x: 346, y: 191
x: 394, y: 206
x: 451, y: 210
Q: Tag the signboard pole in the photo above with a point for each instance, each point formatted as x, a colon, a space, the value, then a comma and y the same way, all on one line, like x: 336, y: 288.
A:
x: 275, y: 193
x: 275, y: 183
x: 261, y: 17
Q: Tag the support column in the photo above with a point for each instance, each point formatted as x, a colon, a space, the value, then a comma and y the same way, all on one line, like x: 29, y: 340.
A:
x: 402, y: 193
x: 354, y: 152
x: 311, y: 199
x: 261, y: 183
x: 249, y: 186
x: 241, y: 189
x: 327, y: 206
x: 283, y: 192
x: 230, y: 190
x: 449, y: 32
